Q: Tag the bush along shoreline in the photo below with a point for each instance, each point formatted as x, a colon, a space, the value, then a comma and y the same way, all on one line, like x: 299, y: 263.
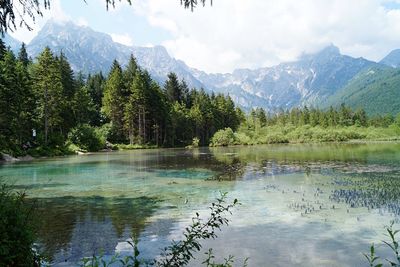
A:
x: 309, y: 126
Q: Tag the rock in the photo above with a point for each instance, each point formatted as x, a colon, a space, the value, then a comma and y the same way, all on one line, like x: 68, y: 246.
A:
x: 7, y: 158
x: 26, y: 158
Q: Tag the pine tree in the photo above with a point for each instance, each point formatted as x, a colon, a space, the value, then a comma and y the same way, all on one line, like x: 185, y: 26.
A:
x: 184, y: 89
x: 23, y: 55
x: 345, y: 116
x: 49, y: 92
x: 173, y: 89
x: 68, y: 93
x: 3, y: 49
x: 9, y: 95
x: 130, y: 73
x: 16, y: 102
x: 136, y: 108
x: 95, y: 87
x: 114, y: 102
x: 27, y: 102
x: 262, y: 117
x: 83, y: 107
x: 360, y: 117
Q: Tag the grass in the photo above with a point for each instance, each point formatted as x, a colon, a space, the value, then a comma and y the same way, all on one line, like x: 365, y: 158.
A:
x: 134, y: 146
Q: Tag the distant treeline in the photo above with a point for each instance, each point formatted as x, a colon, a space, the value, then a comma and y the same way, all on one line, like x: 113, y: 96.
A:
x: 43, y: 105
x: 343, y: 116
x: 309, y: 125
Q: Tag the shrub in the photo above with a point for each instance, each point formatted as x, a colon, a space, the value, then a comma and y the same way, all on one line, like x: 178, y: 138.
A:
x: 223, y: 137
x: 105, y: 131
x: 133, y: 147
x: 397, y: 121
x: 195, y: 142
x: 273, y: 138
x: 87, y: 138
x: 17, y: 233
x: 242, y: 139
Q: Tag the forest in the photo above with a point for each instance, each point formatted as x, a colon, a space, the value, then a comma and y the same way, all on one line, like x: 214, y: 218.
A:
x: 47, y: 109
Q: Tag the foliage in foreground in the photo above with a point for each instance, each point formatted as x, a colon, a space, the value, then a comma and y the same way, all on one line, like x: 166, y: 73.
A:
x: 180, y: 253
x: 392, y: 244
x: 17, y: 233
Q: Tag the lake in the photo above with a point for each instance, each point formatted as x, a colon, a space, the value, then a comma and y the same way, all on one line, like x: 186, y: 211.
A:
x: 301, y: 205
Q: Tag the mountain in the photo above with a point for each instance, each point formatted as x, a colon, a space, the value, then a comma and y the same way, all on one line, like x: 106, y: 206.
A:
x: 377, y: 90
x: 309, y: 80
x: 90, y: 51
x: 306, y: 81
x: 11, y: 42
x: 392, y: 59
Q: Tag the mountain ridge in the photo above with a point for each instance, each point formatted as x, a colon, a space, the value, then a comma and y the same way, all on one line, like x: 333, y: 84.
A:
x: 307, y: 81
x: 376, y: 90
x: 392, y: 59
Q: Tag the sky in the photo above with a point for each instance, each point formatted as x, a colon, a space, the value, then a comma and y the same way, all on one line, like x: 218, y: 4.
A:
x: 234, y: 34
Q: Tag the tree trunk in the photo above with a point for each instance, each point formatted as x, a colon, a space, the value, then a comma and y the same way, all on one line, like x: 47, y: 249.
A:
x: 140, y: 128
x: 144, y: 126
x: 46, y: 123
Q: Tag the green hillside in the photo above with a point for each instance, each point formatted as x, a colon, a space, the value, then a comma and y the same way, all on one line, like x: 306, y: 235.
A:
x: 377, y: 90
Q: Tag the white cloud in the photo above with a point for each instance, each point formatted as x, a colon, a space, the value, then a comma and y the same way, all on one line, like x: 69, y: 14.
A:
x: 247, y: 34
x: 82, y: 22
x: 255, y: 33
x: 124, y: 39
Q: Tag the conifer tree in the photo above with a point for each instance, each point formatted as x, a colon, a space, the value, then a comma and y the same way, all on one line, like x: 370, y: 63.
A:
x: 9, y: 95
x: 184, y: 89
x: 49, y: 92
x: 136, y: 108
x: 3, y: 49
x: 173, y: 89
x: 68, y: 93
x: 129, y: 74
x: 261, y: 116
x: 23, y: 55
x: 95, y: 87
x: 113, y: 101
x: 27, y: 102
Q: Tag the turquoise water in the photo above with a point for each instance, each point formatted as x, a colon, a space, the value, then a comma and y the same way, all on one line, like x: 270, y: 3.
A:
x: 302, y: 205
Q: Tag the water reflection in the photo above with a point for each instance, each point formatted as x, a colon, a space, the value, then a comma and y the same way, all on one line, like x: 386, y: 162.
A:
x: 76, y: 227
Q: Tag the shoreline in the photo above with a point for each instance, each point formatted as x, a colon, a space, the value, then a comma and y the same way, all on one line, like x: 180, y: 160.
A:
x: 7, y: 158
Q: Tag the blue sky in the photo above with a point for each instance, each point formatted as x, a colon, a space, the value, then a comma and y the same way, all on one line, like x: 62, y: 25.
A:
x: 240, y: 33
x: 123, y: 21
